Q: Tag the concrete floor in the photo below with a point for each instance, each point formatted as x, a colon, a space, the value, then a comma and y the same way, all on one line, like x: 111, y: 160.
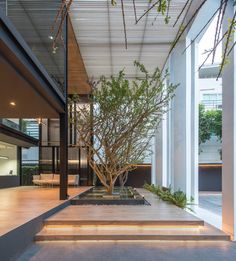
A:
x: 130, y: 251
x: 211, y: 201
x: 209, y: 208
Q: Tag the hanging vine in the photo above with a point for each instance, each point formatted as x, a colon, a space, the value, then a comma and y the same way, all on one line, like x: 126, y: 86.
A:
x: 58, y: 24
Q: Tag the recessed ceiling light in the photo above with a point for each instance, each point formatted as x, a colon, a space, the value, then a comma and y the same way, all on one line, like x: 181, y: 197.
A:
x: 12, y: 103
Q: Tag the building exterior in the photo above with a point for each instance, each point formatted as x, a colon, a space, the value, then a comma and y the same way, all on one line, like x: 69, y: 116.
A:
x: 210, y: 95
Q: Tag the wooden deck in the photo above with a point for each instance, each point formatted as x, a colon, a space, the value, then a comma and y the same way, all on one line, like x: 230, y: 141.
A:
x: 158, y: 211
x: 158, y: 221
x: 22, y: 204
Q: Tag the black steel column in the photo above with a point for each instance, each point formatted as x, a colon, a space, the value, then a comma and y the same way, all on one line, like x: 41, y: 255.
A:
x: 64, y: 124
x: 40, y: 149
x: 19, y: 164
x: 53, y: 160
x: 63, y: 155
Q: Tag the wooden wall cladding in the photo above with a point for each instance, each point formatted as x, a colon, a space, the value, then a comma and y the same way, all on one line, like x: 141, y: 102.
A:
x: 77, y: 75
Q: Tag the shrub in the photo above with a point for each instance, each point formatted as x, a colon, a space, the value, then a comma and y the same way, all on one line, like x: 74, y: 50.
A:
x: 177, y: 198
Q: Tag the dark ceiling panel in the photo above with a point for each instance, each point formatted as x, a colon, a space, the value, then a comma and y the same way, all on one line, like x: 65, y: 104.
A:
x: 13, y: 87
x: 23, y: 80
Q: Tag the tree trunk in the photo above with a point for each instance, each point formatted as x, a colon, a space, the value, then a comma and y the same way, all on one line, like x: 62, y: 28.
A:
x: 123, y: 179
x: 110, y: 189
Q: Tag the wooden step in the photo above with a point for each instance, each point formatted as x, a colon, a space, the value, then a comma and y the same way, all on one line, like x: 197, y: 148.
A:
x: 81, y: 222
x: 157, y: 221
x: 132, y: 232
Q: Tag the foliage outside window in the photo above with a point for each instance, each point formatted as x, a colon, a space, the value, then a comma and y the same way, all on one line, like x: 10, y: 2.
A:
x: 210, y: 123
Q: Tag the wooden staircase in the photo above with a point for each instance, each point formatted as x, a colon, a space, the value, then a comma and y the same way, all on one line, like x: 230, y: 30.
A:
x: 128, y: 231
x: 159, y: 221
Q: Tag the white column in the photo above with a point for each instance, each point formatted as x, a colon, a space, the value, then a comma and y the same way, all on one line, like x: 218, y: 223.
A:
x: 194, y: 122
x: 161, y: 153
x: 180, y: 73
x: 154, y: 163
x: 229, y: 138
x: 169, y: 147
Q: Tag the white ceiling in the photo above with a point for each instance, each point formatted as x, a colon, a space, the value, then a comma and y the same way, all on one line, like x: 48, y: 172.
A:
x: 99, y: 31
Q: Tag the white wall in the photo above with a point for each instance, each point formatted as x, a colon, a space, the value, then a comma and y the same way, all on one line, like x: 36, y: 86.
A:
x: 209, y: 151
x: 209, y: 86
x: 6, y: 165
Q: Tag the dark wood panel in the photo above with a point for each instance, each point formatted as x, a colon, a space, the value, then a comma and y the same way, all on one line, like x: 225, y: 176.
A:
x: 21, y: 74
x: 210, y: 177
x: 139, y: 176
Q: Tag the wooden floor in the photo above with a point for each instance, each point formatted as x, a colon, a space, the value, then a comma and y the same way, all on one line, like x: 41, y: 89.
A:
x: 22, y: 204
x: 157, y: 221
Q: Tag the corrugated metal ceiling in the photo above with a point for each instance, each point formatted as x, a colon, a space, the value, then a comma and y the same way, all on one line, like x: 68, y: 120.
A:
x: 99, y: 30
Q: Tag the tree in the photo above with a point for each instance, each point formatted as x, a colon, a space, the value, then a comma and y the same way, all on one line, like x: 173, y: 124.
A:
x: 124, y: 118
x: 204, y: 126
x: 216, y: 122
x: 210, y: 122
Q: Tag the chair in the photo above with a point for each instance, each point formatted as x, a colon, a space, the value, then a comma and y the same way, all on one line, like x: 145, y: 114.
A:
x: 73, y: 180
x: 36, y: 179
x: 56, y: 179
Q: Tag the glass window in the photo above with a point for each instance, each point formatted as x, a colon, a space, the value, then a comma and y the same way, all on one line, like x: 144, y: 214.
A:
x: 29, y: 165
x: 8, y: 159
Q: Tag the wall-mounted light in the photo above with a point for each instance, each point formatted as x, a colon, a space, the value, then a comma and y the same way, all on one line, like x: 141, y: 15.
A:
x: 4, y: 157
x: 39, y: 120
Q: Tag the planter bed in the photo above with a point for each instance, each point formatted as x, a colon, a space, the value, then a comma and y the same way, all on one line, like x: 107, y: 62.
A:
x: 99, y: 196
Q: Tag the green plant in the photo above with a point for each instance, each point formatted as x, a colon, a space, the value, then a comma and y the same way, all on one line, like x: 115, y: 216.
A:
x: 27, y: 173
x: 204, y: 126
x: 210, y: 122
x: 122, y: 121
x: 215, y: 117
x: 177, y: 198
